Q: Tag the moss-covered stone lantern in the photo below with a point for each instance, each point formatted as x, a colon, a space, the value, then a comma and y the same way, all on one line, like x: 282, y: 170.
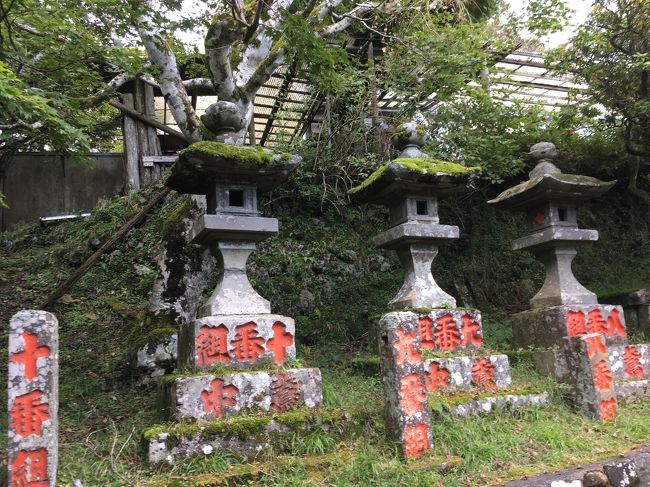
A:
x: 410, y: 187
x: 230, y: 177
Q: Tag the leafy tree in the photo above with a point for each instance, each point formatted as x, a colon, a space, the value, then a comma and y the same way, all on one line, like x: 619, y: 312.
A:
x: 611, y: 53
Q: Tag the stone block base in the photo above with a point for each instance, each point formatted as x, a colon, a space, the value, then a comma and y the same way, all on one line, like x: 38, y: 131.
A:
x: 236, y: 340
x: 248, y: 436
x: 207, y: 397
x: 489, y: 372
x: 547, y: 327
x: 497, y: 404
x: 629, y: 361
x: 632, y: 390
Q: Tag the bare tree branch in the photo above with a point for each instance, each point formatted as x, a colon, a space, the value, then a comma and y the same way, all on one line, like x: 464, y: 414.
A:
x: 346, y: 19
x: 171, y: 83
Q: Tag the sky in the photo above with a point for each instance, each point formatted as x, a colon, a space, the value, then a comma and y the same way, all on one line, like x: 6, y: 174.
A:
x: 581, y: 9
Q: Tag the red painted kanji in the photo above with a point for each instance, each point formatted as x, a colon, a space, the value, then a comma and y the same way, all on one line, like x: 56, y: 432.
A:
x: 285, y: 392
x: 279, y: 343
x: 412, y: 394
x: 212, y: 345
x: 596, y: 323
x: 608, y: 409
x: 614, y: 325
x: 30, y: 355
x: 247, y: 344
x: 436, y: 377
x: 405, y: 347
x: 446, y: 333
x: 596, y: 346
x: 426, y: 337
x: 539, y: 218
x: 470, y: 329
x: 602, y: 376
x: 416, y: 439
x: 28, y: 414
x: 632, y: 360
x: 483, y: 374
x: 216, y: 400
x: 575, y: 323
x: 29, y: 469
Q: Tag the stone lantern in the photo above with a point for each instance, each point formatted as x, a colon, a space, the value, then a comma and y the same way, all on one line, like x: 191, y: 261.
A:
x: 563, y: 306
x: 235, y: 330
x: 410, y: 187
x: 423, y: 317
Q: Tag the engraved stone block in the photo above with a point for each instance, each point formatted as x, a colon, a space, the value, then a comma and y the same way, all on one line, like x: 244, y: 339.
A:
x: 236, y: 340
x: 490, y: 372
x: 33, y: 399
x: 548, y: 326
x: 448, y: 330
x: 208, y: 397
x: 629, y: 361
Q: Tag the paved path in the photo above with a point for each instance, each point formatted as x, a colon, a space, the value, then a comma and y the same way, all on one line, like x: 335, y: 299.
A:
x: 569, y: 476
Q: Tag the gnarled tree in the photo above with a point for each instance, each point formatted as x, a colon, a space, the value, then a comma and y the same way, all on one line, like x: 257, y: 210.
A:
x: 244, y: 46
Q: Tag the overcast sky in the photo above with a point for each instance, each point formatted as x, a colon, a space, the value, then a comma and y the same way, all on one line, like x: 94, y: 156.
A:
x: 581, y: 9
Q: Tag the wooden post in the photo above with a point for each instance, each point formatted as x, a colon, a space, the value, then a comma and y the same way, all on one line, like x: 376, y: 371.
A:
x: 131, y: 152
x: 152, y: 135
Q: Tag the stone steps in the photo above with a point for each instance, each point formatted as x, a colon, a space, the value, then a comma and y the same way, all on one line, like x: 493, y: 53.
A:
x: 490, y: 404
x: 249, y: 436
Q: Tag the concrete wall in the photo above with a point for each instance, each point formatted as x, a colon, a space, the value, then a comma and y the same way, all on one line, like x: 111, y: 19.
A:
x: 47, y: 184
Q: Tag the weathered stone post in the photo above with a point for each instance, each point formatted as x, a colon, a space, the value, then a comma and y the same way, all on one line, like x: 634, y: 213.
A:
x: 410, y: 186
x: 563, y: 306
x: 33, y: 387
x: 235, y: 329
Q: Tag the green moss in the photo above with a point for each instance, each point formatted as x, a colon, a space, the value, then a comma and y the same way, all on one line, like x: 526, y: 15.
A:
x: 419, y: 165
x: 245, y: 427
x: 173, y: 223
x: 367, y: 365
x: 220, y: 370
x: 156, y: 335
x: 445, y: 402
x: 244, y: 156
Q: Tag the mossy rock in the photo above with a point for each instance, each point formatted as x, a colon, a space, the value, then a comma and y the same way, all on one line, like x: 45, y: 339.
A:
x: 205, y: 163
x: 412, y: 174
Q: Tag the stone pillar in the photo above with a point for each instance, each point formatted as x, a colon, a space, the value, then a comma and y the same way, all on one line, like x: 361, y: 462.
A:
x: 400, y: 352
x: 590, y: 377
x: 33, y: 388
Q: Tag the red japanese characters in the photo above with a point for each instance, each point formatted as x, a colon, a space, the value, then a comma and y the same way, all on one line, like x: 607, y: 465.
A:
x: 243, y: 343
x: 449, y: 333
x: 221, y: 396
x: 33, y: 399
x: 413, y: 395
x: 436, y: 377
x: 632, y: 361
x: 406, y: 347
x: 280, y: 342
x: 446, y: 334
x: 483, y: 374
x: 29, y: 469
x: 416, y: 439
x: 212, y: 345
x: 285, y: 392
x: 580, y: 323
x: 30, y: 355
x: 28, y: 414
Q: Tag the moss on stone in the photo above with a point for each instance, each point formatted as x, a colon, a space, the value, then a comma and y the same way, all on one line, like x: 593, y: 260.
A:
x: 155, y: 336
x: 173, y: 222
x: 418, y: 165
x: 366, y: 365
x: 244, y: 156
x: 246, y: 427
x: 445, y: 402
x: 220, y: 370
